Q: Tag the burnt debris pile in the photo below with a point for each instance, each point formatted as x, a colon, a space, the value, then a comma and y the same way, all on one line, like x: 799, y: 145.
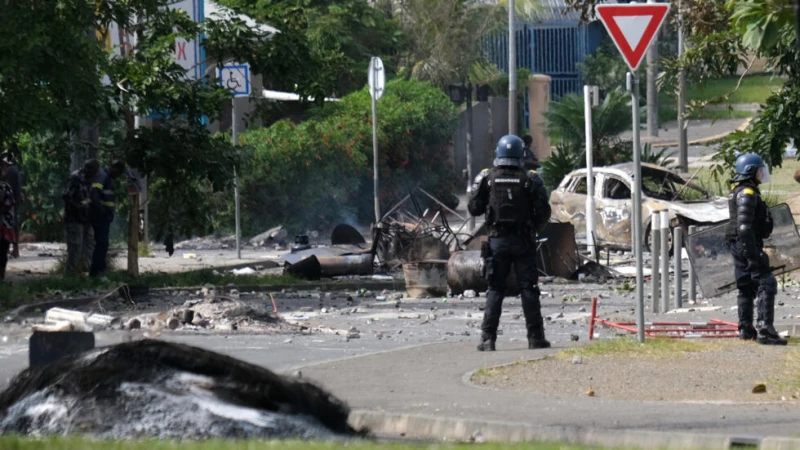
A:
x: 155, y: 389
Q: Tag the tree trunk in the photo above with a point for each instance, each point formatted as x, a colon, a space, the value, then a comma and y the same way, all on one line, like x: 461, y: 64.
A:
x: 133, y: 235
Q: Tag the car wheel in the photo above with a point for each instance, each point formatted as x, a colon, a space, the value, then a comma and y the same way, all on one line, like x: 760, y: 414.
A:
x: 648, y: 239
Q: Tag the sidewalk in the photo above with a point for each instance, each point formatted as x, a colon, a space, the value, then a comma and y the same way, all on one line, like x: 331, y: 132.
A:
x: 699, y: 132
x: 432, y: 380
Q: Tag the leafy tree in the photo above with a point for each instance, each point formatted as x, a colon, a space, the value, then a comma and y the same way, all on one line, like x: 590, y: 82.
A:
x: 48, y: 66
x: 323, y: 47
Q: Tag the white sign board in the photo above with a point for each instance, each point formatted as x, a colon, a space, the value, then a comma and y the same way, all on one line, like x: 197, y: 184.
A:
x: 187, y: 53
x: 376, y: 77
x: 235, y: 78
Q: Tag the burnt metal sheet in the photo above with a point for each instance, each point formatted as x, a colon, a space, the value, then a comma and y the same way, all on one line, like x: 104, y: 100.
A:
x: 557, y: 255
x: 345, y: 234
x: 713, y: 264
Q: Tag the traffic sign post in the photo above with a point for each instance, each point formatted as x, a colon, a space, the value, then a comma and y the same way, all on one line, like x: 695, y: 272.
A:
x: 377, y: 83
x: 632, y: 27
x: 236, y: 78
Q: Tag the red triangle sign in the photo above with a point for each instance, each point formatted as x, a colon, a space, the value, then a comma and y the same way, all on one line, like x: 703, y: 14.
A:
x: 632, y: 26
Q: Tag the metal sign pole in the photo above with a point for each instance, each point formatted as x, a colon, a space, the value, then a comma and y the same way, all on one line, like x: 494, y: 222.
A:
x: 633, y: 87
x: 236, y: 181
x: 512, y: 69
x: 375, y: 142
x: 590, y: 228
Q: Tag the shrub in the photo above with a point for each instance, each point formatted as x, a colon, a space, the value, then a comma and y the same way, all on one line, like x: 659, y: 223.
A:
x: 320, y: 172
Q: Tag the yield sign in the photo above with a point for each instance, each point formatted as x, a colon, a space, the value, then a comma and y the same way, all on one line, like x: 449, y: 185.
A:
x: 632, y: 27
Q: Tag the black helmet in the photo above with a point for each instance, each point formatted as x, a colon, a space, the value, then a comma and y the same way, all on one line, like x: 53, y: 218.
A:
x: 509, y: 151
x: 747, y: 168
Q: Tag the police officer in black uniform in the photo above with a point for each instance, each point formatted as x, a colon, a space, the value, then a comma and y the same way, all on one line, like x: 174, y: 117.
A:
x: 750, y: 223
x: 516, y: 206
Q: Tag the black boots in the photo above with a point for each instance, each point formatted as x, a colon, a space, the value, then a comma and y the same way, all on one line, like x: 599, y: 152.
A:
x: 767, y: 335
x: 747, y: 332
x: 534, y: 343
x: 487, y: 343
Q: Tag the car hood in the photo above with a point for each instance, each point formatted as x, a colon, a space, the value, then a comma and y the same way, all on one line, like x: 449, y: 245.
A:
x: 704, y: 212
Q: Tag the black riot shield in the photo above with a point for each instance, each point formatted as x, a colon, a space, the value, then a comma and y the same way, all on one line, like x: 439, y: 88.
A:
x: 713, y: 264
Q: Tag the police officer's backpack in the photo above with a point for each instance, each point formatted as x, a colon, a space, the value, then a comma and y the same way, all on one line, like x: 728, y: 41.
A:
x: 509, y: 202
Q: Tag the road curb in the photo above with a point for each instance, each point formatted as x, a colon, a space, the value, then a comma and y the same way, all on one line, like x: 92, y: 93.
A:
x: 706, y: 141
x: 456, y: 429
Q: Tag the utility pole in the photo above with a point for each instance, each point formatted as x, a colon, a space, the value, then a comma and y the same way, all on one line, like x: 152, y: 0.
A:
x: 683, y: 141
x: 235, y: 142
x: 652, y: 92
x: 471, y: 224
x: 512, y: 68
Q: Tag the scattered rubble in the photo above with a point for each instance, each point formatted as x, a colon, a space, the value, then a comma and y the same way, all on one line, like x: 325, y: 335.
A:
x: 271, y: 237
x: 213, y: 242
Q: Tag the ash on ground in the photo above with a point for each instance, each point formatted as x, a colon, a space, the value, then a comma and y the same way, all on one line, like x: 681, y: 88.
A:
x: 154, y: 389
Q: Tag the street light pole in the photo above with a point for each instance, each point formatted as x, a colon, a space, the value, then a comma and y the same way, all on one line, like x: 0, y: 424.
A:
x: 512, y: 69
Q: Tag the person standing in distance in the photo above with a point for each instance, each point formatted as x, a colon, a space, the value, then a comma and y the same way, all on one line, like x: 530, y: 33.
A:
x: 516, y: 206
x: 80, y: 236
x: 102, y: 195
x: 528, y: 157
x: 750, y: 223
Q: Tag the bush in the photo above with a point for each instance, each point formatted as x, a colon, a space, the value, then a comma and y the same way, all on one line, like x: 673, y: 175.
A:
x: 319, y: 172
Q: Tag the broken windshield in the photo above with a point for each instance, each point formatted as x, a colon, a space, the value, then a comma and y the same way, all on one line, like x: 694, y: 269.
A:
x: 664, y: 185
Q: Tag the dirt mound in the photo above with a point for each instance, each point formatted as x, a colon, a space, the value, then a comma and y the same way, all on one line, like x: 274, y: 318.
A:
x: 163, y: 390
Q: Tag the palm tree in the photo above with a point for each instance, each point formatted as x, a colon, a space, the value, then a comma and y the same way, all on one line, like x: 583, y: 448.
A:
x: 445, y: 37
x: 566, y: 123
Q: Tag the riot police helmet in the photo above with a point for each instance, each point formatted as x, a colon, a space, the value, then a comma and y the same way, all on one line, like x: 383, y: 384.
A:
x: 509, y: 151
x: 751, y: 166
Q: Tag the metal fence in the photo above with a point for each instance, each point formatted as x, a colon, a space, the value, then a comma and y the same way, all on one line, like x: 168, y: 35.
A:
x: 554, y: 49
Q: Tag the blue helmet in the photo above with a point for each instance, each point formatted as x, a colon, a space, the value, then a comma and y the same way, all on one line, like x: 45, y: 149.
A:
x: 509, y: 151
x: 747, y: 166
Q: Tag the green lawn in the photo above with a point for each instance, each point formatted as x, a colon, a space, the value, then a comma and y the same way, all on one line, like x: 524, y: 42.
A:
x: 754, y: 89
x: 13, y: 443
x: 781, y: 186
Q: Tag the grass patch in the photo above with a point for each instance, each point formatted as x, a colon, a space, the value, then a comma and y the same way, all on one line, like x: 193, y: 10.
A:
x: 15, y: 443
x: 653, y: 347
x: 754, y: 89
x: 790, y: 381
x: 14, y: 295
x: 782, y: 184
x: 144, y: 250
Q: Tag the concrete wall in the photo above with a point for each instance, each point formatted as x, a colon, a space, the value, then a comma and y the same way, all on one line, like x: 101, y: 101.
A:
x: 489, y: 123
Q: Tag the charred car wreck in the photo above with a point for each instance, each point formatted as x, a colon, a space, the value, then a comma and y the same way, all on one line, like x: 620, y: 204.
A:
x: 662, y: 189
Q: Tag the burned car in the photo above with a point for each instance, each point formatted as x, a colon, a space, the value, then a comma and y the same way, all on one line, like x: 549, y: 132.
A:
x: 662, y: 189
